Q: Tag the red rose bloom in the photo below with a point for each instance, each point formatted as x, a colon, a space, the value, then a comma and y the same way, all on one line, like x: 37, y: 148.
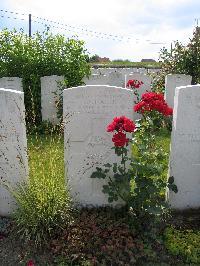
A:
x: 134, y: 83
x: 120, y: 139
x: 111, y: 127
x: 169, y: 111
x: 121, y: 123
x: 153, y: 101
x: 128, y: 126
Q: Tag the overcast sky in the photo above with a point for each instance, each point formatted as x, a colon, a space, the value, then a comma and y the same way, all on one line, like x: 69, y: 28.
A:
x: 118, y: 29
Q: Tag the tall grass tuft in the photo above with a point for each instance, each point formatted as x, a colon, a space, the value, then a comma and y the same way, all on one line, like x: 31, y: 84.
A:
x: 44, y: 205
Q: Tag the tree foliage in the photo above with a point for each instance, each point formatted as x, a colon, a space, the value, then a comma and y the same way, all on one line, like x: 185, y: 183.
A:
x: 42, y: 55
x: 184, y: 59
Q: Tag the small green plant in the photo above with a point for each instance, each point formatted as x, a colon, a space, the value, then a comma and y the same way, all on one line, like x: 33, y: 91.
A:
x: 183, y: 243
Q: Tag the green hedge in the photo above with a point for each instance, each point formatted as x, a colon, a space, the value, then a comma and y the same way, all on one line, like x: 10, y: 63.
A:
x: 41, y: 55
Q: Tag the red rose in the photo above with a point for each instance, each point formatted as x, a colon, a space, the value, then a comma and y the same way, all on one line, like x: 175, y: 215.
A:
x: 120, y: 124
x: 120, y: 139
x: 128, y: 126
x: 138, y: 107
x: 134, y: 83
x: 168, y: 111
x: 111, y: 127
x: 153, y: 101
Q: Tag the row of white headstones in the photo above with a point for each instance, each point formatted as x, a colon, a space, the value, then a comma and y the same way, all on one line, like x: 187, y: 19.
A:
x: 51, y: 88
x: 87, y: 110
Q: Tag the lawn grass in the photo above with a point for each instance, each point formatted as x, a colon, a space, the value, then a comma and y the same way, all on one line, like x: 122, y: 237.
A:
x: 46, y: 152
x: 96, y: 237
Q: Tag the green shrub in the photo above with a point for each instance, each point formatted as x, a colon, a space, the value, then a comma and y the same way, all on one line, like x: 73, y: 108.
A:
x: 41, y: 55
x: 44, y: 206
x: 184, y: 243
x: 183, y: 59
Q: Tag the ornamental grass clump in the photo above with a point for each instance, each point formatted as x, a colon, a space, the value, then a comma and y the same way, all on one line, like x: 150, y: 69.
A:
x: 44, y: 205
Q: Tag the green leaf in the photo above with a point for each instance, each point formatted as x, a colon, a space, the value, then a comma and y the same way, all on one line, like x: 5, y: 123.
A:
x: 106, y: 189
x: 115, y: 168
x: 110, y: 199
x: 171, y: 180
x: 173, y: 187
x: 98, y: 174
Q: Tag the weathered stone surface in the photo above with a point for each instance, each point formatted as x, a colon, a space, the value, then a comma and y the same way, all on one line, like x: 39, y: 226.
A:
x: 13, y: 146
x: 116, y: 78
x: 96, y: 79
x: 95, y: 71
x: 12, y: 83
x: 87, y: 112
x: 113, y: 78
x: 106, y: 71
x: 171, y: 82
x: 142, y: 70
x: 50, y: 85
x: 185, y: 148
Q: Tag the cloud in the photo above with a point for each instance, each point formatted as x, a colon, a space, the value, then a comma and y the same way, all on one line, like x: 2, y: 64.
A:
x: 145, y: 22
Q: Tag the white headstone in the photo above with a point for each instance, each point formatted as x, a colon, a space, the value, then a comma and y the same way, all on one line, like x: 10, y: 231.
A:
x: 87, y: 112
x: 11, y: 83
x: 13, y: 146
x: 135, y: 70
x: 125, y: 71
x: 142, y: 70
x: 185, y: 148
x: 96, y: 79
x: 171, y: 82
x: 105, y: 71
x: 95, y: 71
x: 153, y: 70
x: 116, y: 78
x: 50, y: 85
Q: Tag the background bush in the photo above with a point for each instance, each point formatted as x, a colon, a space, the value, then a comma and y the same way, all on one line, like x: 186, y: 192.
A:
x: 183, y: 59
x: 41, y: 55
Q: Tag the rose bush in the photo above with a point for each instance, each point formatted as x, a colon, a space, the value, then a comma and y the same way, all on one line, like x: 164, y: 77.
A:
x: 135, y: 84
x: 153, y: 101
x: 138, y: 179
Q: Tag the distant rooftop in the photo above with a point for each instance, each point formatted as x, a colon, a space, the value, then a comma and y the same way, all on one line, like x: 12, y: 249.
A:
x: 148, y: 60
